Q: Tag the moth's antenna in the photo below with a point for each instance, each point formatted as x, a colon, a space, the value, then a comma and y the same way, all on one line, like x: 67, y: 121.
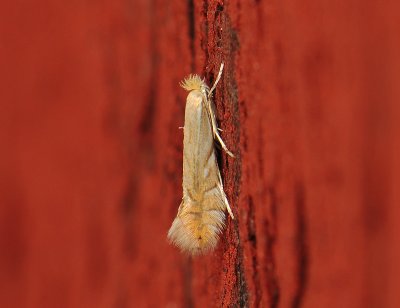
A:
x: 216, y: 80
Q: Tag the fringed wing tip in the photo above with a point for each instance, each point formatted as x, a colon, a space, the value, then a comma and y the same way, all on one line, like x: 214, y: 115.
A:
x: 185, y: 239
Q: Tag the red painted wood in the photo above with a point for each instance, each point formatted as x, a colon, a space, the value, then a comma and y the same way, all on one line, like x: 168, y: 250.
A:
x: 91, y: 153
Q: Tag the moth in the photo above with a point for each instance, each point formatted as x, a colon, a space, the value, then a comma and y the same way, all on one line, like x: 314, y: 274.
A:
x: 201, y: 214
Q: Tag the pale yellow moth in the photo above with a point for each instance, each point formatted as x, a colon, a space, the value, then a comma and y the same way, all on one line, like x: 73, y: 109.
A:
x: 201, y: 214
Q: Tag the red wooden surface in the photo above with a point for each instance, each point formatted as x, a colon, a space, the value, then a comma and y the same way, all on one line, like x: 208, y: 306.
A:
x: 91, y: 153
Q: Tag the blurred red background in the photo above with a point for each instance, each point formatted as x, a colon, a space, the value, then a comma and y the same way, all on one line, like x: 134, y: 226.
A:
x: 91, y: 153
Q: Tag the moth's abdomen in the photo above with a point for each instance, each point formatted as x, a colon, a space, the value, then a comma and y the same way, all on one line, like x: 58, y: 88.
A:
x: 196, y: 230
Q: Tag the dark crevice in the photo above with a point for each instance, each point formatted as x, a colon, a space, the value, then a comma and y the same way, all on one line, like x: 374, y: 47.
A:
x: 301, y: 242
x: 242, y: 299
x: 243, y: 295
x: 252, y: 237
x: 235, y: 44
x: 218, y: 11
x: 191, y: 29
x: 236, y: 169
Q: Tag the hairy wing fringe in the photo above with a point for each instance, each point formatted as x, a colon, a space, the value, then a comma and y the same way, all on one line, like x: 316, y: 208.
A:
x: 197, y: 232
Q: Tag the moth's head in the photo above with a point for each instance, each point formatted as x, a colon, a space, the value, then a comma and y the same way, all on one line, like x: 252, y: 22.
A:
x: 194, y: 82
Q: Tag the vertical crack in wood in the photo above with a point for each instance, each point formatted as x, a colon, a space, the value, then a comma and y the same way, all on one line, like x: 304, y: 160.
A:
x: 252, y: 237
x: 243, y: 294
x: 301, y: 241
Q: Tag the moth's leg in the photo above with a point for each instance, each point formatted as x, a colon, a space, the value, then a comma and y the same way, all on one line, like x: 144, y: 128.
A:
x: 223, y: 144
x: 226, y: 202
x: 215, y: 128
x: 216, y: 80
x: 212, y: 114
x: 230, y: 211
x: 225, y: 199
